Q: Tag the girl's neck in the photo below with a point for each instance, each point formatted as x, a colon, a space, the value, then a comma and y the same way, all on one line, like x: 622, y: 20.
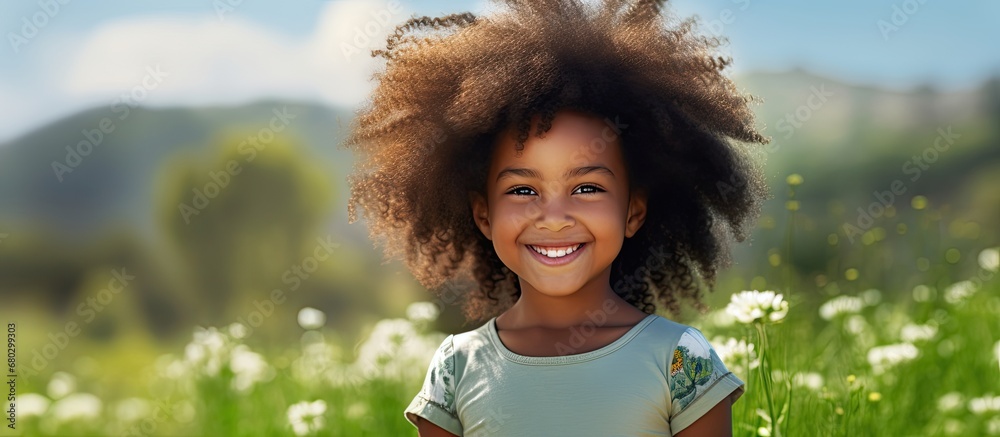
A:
x: 596, y: 304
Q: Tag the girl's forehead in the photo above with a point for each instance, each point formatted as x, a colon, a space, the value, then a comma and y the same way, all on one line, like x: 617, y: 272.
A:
x: 574, y: 140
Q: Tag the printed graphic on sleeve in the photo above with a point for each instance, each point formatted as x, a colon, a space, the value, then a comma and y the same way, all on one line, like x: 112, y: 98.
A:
x: 440, y: 387
x: 694, y: 368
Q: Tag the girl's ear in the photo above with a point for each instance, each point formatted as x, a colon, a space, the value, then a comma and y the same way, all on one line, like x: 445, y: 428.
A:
x: 481, y: 213
x: 636, y: 212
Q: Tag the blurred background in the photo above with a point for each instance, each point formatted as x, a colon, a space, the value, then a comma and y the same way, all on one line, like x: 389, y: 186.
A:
x: 175, y: 253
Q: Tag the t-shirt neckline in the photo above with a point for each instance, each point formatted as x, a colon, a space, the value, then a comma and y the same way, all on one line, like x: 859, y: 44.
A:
x: 565, y: 359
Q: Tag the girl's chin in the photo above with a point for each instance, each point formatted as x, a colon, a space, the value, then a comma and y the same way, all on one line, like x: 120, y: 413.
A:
x: 555, y: 286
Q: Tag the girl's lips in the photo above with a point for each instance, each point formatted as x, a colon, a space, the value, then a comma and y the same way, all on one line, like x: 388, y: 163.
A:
x: 556, y: 261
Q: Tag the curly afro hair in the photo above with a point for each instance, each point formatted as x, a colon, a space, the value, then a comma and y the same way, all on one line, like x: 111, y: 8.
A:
x: 451, y: 84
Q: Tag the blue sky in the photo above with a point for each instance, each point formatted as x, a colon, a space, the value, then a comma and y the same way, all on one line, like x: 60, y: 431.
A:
x: 90, y: 54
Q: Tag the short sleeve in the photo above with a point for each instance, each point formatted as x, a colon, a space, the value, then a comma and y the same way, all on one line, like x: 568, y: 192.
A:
x: 435, y: 401
x: 698, y: 380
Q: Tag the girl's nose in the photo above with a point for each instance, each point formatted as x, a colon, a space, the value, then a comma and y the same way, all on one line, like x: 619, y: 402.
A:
x: 552, y: 214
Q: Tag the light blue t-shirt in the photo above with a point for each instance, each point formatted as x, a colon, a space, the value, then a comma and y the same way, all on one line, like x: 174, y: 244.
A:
x: 655, y: 380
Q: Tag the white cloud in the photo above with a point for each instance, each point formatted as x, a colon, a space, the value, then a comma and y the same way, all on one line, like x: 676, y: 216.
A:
x: 207, y: 60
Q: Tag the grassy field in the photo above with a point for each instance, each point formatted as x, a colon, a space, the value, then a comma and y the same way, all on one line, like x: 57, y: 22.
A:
x: 847, y: 356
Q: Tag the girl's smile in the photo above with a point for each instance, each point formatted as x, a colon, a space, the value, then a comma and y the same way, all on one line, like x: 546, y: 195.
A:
x: 556, y: 255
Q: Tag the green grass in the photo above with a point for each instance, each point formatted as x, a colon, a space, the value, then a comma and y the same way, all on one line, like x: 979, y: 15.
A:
x: 814, y: 376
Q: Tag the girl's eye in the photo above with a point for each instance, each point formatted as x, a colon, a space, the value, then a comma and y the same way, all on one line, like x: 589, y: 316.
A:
x: 595, y: 189
x: 583, y: 189
x: 521, y: 191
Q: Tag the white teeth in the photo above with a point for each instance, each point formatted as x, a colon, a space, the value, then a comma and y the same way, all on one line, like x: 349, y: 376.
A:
x: 558, y: 253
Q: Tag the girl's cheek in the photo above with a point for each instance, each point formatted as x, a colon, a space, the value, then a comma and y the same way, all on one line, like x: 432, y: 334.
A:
x: 514, y: 215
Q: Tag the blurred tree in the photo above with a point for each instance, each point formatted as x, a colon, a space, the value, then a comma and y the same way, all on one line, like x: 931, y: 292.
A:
x: 990, y: 99
x: 241, y: 221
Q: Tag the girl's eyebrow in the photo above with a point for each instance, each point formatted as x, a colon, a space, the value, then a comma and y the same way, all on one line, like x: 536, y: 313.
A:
x: 532, y: 173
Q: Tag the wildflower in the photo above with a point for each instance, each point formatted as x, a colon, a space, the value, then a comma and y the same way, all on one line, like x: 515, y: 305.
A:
x: 207, y: 350
x: 32, y: 404
x: 756, y: 306
x: 311, y: 318
x: 950, y: 401
x: 993, y: 426
x: 248, y: 367
x: 959, y: 291
x: 989, y: 259
x: 720, y: 318
x: 840, y: 305
x: 395, y: 350
x: 736, y: 354
x: 913, y: 333
x: 76, y: 406
x: 954, y: 427
x: 317, y: 359
x: 883, y: 357
x: 61, y: 384
x: 985, y: 404
x: 923, y: 293
x: 307, y: 417
x: 810, y: 380
x: 871, y: 297
x: 874, y: 396
x: 238, y: 330
x: 132, y: 409
x: 420, y: 312
x: 856, y: 325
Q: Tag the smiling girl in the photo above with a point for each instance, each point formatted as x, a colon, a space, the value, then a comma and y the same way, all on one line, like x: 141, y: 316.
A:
x: 584, y: 164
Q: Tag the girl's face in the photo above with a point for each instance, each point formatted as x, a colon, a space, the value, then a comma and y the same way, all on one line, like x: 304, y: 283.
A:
x: 567, y: 194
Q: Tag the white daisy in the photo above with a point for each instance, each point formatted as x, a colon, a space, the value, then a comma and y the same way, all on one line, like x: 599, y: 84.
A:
x: 950, y: 401
x: 32, y: 404
x: 61, y: 384
x: 841, y: 305
x: 248, y: 367
x: 883, y: 357
x: 307, y: 417
x: 913, y: 333
x: 311, y: 318
x: 421, y: 312
x: 959, y: 291
x: 757, y: 306
x: 989, y: 259
x: 76, y: 406
x: 985, y: 404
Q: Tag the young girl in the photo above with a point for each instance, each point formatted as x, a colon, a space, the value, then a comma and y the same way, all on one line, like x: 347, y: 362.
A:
x: 582, y: 163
